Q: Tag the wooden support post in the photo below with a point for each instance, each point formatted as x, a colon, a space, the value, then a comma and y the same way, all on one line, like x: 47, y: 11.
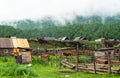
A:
x: 56, y: 58
x: 94, y: 61
x: 109, y: 63
x: 51, y: 62
x: 77, y: 57
x: 119, y: 54
x: 5, y: 57
x: 5, y: 54
x: 60, y: 62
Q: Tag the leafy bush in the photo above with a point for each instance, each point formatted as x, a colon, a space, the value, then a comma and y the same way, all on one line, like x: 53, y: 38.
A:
x: 20, y: 70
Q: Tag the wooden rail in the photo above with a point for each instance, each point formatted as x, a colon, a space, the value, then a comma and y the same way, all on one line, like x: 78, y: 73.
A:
x: 86, y: 68
x: 67, y: 64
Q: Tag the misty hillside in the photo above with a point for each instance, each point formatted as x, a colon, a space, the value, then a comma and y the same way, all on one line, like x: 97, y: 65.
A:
x: 49, y: 21
x: 90, y: 27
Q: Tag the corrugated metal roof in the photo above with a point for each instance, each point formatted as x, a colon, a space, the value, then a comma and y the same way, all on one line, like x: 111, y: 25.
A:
x: 13, y: 43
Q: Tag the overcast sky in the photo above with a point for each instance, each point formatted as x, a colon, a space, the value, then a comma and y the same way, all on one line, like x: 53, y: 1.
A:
x: 23, y: 9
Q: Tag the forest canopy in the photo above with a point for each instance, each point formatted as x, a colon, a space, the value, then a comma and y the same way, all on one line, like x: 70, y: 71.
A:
x: 90, y: 31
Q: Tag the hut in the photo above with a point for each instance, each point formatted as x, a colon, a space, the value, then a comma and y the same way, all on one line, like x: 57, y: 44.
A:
x: 48, y: 38
x: 63, y: 38
x: 13, y: 44
x: 43, y: 40
x: 80, y: 39
x: 16, y: 46
x: 100, y: 40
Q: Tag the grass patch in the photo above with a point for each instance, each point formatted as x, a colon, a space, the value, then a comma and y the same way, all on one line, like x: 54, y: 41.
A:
x: 42, y: 69
x: 17, y: 70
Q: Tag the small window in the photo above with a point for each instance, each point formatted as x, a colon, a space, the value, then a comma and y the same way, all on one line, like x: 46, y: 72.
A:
x: 6, y: 51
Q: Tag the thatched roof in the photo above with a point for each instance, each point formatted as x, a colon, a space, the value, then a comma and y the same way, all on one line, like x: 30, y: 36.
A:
x: 13, y: 43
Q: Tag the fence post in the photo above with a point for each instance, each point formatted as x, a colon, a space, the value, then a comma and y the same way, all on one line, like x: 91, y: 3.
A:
x: 94, y: 61
x: 77, y: 56
x: 119, y: 54
x: 109, y: 62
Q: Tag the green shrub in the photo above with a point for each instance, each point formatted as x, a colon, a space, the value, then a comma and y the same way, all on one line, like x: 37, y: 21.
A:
x: 20, y: 70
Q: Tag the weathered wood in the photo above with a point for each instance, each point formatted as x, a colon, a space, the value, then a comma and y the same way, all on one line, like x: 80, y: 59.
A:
x: 119, y: 54
x: 60, y: 57
x: 109, y: 63
x: 18, y: 59
x: 26, y: 57
x: 115, y: 63
x: 77, y: 57
x: 91, y: 69
x: 5, y: 57
x: 67, y: 64
x: 94, y: 62
x: 97, y: 64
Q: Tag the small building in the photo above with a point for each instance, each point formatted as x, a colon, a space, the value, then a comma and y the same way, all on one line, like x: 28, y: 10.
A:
x: 16, y: 46
x: 80, y: 39
x: 63, y: 38
x: 100, y: 40
x: 48, y: 38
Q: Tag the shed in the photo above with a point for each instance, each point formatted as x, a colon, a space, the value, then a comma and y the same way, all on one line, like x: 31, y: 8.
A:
x: 8, y: 46
x: 49, y: 38
x: 80, y: 39
x: 13, y: 44
x: 63, y: 38
x: 100, y: 40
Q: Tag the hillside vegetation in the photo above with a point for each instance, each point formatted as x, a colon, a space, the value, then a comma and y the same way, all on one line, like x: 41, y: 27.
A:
x: 90, y: 27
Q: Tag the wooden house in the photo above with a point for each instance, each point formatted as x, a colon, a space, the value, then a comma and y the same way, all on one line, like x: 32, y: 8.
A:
x: 16, y: 46
x: 12, y: 45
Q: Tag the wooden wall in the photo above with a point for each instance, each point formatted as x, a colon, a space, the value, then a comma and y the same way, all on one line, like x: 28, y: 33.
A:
x: 2, y: 51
